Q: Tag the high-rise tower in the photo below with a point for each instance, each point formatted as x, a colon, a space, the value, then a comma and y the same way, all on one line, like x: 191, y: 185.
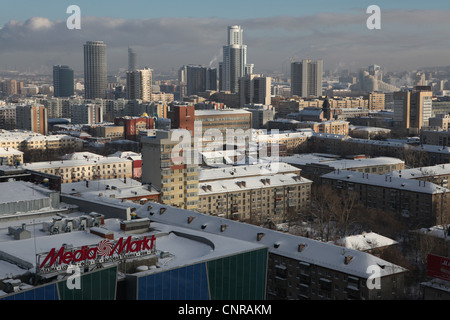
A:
x: 132, y: 59
x: 63, y: 83
x: 234, y: 63
x: 95, y: 71
x: 306, y: 78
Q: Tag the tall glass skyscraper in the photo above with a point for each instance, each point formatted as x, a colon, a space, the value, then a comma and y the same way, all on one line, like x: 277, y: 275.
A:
x: 132, y: 59
x: 95, y: 72
x: 63, y: 81
x: 234, y: 63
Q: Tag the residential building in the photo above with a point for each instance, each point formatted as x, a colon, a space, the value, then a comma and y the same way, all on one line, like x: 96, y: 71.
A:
x: 87, y: 114
x: 10, y: 156
x: 95, y: 70
x: 168, y: 164
x: 32, y: 117
x: 139, y: 85
x: 254, y: 193
x: 85, y: 166
x: 8, y: 117
x: 255, y: 89
x: 418, y: 202
x: 313, y: 166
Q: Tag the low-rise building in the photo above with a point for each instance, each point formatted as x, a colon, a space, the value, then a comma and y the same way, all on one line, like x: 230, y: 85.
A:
x: 85, y: 166
x: 10, y: 156
x: 313, y: 166
x: 254, y: 193
x: 419, y: 202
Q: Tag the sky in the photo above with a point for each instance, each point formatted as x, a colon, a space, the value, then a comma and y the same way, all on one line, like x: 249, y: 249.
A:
x: 168, y: 34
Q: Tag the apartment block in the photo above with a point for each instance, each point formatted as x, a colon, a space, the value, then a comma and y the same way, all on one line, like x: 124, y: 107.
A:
x: 168, y: 164
x: 254, y: 193
x: 10, y: 156
x: 32, y: 117
x: 8, y: 117
x: 85, y: 166
x: 416, y: 201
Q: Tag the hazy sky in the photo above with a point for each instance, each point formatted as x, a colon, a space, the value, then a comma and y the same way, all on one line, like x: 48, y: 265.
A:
x: 169, y: 34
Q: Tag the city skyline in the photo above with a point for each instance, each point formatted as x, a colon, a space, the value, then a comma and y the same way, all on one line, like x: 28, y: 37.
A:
x: 411, y: 36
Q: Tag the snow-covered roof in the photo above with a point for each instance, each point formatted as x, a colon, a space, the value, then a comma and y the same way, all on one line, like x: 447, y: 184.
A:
x: 14, y: 191
x: 339, y: 163
x: 219, y: 112
x: 119, y: 188
x: 415, y: 173
x: 197, y: 246
x: 385, y: 181
x: 366, y: 241
x: 314, y: 252
x: 232, y: 185
x: 231, y: 172
x: 74, y: 163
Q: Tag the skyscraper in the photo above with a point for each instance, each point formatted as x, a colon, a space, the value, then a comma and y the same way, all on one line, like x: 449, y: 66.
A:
x: 234, y: 63
x: 95, y: 72
x: 139, y: 84
x: 199, y: 79
x: 63, y: 83
x: 306, y: 78
x: 132, y: 60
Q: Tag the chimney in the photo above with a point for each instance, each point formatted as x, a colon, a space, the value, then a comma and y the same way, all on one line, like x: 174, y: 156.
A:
x: 348, y: 259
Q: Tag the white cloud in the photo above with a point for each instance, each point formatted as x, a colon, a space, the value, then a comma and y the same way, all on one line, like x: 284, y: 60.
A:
x: 407, y: 39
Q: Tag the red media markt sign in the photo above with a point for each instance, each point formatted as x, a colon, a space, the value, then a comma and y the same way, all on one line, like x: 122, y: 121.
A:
x: 104, y: 251
x: 438, y: 267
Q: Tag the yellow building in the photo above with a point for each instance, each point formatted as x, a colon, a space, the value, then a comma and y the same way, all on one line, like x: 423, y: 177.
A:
x: 85, y: 166
x: 10, y: 156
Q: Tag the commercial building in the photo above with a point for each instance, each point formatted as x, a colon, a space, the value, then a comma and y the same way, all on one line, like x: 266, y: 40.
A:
x: 95, y: 70
x: 223, y: 119
x: 121, y: 189
x: 63, y: 83
x: 186, y: 255
x: 200, y: 79
x: 132, y: 125
x: 234, y: 64
x: 261, y: 114
x: 306, y: 78
x: 132, y: 59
